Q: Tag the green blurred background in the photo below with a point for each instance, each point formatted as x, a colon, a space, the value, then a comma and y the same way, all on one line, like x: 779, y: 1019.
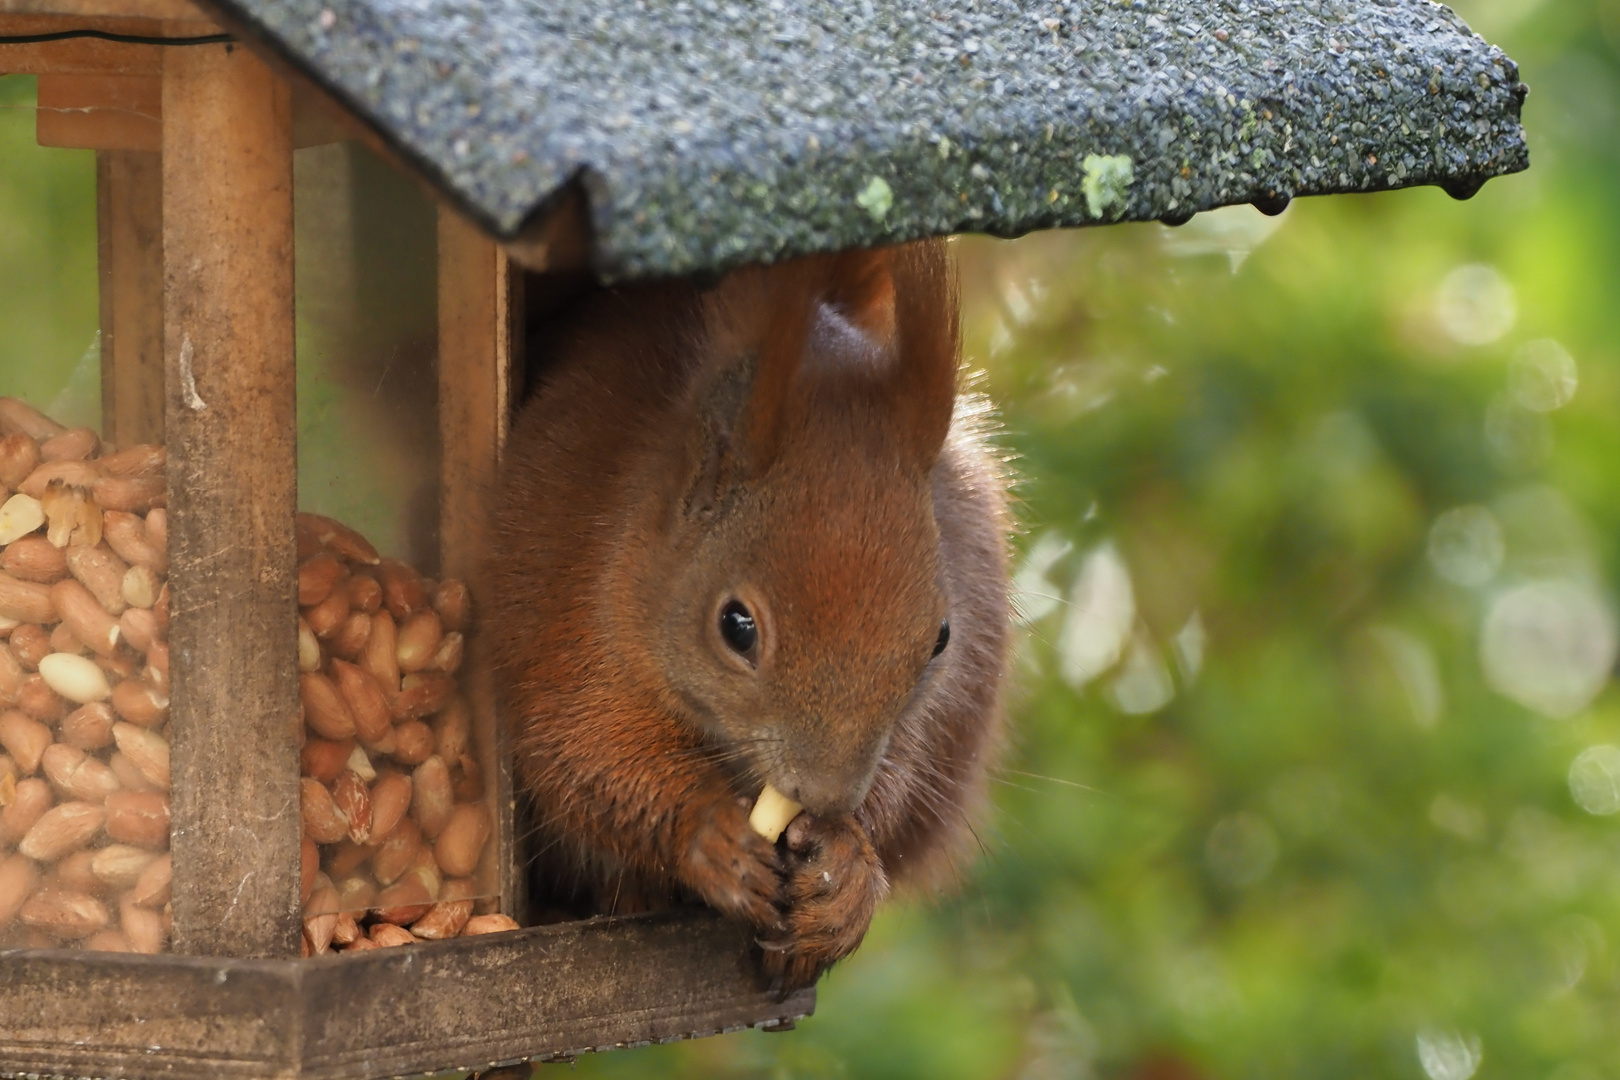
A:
x: 1316, y: 753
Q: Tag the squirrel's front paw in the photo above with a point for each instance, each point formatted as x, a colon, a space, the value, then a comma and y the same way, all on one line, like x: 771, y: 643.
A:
x: 834, y: 883
x: 735, y: 870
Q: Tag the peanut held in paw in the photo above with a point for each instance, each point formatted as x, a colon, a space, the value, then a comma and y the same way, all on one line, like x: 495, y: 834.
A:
x: 772, y: 812
x: 750, y: 538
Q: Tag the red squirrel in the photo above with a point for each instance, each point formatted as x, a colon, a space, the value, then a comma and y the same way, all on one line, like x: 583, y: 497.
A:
x: 751, y: 534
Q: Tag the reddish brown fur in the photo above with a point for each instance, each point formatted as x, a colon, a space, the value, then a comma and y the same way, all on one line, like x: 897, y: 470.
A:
x: 787, y: 439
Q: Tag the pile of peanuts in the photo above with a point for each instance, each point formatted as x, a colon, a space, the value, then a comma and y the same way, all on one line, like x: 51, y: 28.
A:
x: 84, y: 684
x: 392, y: 798
x: 395, y: 821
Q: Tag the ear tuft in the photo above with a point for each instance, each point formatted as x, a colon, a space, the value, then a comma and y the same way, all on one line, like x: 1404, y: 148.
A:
x: 929, y: 339
x: 790, y: 295
x: 861, y: 289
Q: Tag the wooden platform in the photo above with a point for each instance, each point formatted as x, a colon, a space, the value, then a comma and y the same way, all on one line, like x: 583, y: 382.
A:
x: 472, y: 1003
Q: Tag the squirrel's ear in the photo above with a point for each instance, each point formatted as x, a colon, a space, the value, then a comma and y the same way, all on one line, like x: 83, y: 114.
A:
x: 710, y: 453
x: 861, y: 289
x: 757, y: 332
x: 927, y: 343
x: 789, y: 295
x: 903, y: 298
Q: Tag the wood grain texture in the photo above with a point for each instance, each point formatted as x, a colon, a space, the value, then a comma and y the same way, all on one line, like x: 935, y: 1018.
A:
x: 100, y: 112
x: 230, y: 420
x: 471, y: 1003
x: 129, y: 224
x: 120, y: 111
x: 480, y: 334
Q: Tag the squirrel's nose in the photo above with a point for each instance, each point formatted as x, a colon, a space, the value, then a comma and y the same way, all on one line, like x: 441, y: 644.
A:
x: 823, y: 799
x: 828, y: 791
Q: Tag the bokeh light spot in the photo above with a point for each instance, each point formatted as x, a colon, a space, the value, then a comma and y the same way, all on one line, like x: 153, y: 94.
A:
x: 1143, y: 684
x: 1594, y: 779
x: 1102, y: 611
x: 1475, y: 305
x: 1542, y: 376
x: 1466, y: 546
x: 1549, y: 645
x: 1448, y: 1055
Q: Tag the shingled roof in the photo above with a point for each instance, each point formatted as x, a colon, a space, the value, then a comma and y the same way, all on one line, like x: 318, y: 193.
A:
x: 707, y: 133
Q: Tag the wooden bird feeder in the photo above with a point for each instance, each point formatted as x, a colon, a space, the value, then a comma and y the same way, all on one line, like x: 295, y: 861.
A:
x: 564, y: 140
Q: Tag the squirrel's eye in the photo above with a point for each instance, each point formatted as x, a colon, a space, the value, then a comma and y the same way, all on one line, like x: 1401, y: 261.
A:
x: 944, y: 638
x: 737, y: 627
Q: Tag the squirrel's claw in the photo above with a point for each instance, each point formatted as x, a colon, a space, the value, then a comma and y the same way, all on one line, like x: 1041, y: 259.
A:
x: 734, y: 869
x: 834, y: 883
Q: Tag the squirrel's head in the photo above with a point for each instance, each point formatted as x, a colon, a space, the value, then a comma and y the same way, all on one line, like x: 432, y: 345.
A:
x: 794, y: 592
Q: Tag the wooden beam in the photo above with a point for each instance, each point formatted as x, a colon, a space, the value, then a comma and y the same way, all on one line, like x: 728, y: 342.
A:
x: 125, y: 112
x: 100, y: 112
x: 558, y: 239
x: 470, y: 1003
x: 129, y: 222
x: 231, y: 426
x: 318, y: 120
x: 81, y: 9
x: 480, y: 357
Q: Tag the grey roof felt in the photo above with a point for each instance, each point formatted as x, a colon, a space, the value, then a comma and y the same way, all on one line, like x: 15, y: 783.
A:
x: 706, y: 133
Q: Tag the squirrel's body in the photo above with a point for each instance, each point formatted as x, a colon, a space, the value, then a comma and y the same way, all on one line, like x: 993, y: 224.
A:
x: 779, y: 463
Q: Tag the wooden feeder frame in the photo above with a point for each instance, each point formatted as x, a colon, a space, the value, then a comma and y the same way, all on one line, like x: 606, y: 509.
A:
x: 195, y: 204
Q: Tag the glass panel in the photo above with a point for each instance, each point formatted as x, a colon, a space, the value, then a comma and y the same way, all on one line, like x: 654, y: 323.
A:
x: 396, y: 811
x: 368, y: 430
x: 399, y: 819
x: 84, y: 671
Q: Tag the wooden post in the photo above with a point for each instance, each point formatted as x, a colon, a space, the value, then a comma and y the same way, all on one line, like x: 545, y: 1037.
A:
x: 231, y: 425
x: 129, y: 219
x: 480, y: 334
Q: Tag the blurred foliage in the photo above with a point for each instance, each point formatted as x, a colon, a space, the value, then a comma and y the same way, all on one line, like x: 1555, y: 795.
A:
x: 48, y: 297
x: 1314, y: 770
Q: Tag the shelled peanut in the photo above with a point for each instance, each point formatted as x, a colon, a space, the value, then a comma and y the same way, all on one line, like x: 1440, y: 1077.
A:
x: 395, y: 821
x: 84, y: 680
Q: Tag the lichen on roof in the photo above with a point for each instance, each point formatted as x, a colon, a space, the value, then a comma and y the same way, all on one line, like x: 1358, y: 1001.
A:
x: 708, y: 133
